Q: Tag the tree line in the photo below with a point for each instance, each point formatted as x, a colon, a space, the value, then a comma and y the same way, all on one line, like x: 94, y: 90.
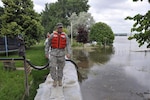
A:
x: 19, y: 17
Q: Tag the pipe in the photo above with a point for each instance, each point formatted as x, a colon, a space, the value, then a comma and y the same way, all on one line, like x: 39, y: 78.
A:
x: 45, y: 66
x: 11, y: 59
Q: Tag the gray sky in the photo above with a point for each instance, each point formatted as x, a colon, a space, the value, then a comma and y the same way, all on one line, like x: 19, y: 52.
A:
x: 111, y: 12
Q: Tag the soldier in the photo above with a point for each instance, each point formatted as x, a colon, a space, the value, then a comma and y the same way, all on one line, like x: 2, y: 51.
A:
x: 47, y: 37
x: 60, y: 46
x: 46, y: 41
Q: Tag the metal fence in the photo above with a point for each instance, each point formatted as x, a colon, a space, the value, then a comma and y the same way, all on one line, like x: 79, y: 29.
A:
x: 8, y: 44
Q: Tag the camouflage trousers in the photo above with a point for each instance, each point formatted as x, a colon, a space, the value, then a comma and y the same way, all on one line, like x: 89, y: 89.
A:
x: 56, y: 67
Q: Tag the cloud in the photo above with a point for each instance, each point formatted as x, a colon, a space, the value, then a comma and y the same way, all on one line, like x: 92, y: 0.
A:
x: 1, y: 4
x: 113, y: 12
x: 39, y: 5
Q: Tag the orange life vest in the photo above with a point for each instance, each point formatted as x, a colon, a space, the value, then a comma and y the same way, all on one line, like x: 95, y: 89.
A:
x: 58, y: 40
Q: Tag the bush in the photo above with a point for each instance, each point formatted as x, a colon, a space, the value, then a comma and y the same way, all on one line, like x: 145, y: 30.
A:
x: 101, y: 33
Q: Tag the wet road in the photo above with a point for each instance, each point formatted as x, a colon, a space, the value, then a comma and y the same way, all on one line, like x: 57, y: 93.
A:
x: 116, y: 73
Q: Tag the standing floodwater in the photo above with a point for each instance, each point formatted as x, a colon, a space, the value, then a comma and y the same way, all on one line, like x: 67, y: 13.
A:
x: 120, y: 72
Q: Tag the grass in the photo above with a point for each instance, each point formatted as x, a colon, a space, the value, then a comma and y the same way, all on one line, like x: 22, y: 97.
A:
x: 9, y: 83
x: 36, y: 54
x: 38, y: 78
x: 12, y: 82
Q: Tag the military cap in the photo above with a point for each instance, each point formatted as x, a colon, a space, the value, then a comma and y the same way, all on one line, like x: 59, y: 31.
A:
x: 59, y: 25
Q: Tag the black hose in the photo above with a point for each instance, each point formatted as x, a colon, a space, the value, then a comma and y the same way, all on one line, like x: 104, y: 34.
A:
x: 79, y: 74
x: 35, y: 67
x: 41, y: 68
x: 72, y: 62
x: 45, y: 66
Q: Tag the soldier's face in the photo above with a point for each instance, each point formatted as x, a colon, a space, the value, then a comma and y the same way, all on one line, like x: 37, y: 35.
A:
x: 60, y: 29
x: 48, y: 35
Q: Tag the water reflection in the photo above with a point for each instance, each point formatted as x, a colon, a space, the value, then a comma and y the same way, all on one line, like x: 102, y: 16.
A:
x: 115, y: 73
x: 101, y: 55
x: 122, y: 54
x: 86, y: 58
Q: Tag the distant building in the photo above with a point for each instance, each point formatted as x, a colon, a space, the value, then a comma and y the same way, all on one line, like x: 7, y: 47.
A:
x: 94, y: 42
x: 121, y: 34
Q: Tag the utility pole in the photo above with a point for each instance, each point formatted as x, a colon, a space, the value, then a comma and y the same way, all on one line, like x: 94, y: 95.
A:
x: 71, y: 35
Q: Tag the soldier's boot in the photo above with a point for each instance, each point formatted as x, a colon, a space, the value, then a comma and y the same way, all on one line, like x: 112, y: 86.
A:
x: 60, y: 82
x: 54, y: 83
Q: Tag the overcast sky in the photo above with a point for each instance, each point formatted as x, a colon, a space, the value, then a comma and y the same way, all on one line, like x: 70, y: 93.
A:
x: 111, y: 12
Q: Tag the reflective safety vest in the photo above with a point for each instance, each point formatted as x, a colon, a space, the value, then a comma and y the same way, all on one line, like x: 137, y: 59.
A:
x: 58, y: 40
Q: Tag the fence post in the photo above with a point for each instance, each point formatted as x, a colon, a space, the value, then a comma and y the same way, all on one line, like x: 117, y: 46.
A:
x: 22, y: 53
x: 26, y: 77
x: 6, y: 46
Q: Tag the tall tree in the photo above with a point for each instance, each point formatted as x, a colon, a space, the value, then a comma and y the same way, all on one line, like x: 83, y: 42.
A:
x: 82, y: 34
x: 60, y: 11
x: 80, y: 25
x: 20, y: 18
x: 102, y: 33
x: 1, y: 13
x: 141, y: 27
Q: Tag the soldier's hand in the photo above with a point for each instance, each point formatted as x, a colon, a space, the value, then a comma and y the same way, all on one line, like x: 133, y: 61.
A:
x: 46, y: 56
x: 68, y: 56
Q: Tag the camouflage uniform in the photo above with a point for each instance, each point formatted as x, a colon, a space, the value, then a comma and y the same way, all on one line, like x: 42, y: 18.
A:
x: 57, y: 59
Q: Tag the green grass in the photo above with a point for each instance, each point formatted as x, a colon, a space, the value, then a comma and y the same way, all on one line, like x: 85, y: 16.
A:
x: 76, y: 44
x: 11, y: 85
x: 36, y: 54
x: 12, y: 82
x: 38, y: 78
